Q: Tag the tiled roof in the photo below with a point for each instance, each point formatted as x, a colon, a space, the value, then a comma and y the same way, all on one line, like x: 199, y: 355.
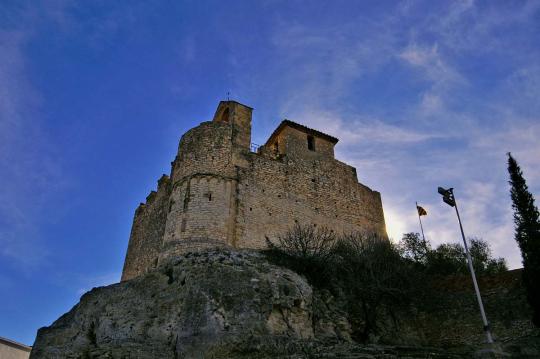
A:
x: 310, y: 131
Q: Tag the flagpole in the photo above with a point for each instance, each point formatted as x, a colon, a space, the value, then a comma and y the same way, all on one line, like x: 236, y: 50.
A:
x: 473, y: 275
x: 421, y: 227
x: 450, y: 199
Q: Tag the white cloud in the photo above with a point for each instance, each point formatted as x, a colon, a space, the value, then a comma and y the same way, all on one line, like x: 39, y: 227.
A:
x: 352, y: 129
x: 434, y: 67
x: 431, y: 103
x: 468, y: 26
x: 430, y: 60
x: 31, y: 174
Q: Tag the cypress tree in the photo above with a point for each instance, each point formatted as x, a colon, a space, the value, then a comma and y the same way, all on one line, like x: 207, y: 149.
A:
x: 527, y: 226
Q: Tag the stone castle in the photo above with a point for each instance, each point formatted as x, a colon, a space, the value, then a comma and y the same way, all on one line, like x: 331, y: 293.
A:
x: 221, y: 193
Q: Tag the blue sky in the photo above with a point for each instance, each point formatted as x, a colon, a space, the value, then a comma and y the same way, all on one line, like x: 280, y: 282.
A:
x: 95, y: 95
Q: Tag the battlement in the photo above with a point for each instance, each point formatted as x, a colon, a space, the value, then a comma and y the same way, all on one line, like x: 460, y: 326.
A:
x: 220, y: 193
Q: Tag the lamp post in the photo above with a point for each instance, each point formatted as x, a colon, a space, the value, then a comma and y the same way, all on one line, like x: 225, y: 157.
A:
x: 448, y: 198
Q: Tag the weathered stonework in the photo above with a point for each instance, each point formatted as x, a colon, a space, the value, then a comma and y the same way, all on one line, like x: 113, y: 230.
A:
x: 220, y: 193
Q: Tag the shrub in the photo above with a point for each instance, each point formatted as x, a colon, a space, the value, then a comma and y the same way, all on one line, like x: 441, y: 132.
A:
x: 450, y: 258
x: 365, y: 272
x: 447, y: 259
x: 306, y: 250
x: 375, y: 280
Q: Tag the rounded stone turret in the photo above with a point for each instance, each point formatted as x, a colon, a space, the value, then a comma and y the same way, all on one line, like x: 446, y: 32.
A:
x: 205, y: 149
x: 203, y: 204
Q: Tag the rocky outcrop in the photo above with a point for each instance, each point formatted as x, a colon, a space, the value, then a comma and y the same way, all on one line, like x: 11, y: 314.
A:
x: 229, y: 304
x: 195, y: 304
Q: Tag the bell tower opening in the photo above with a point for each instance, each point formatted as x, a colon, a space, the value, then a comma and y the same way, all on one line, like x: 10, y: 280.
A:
x: 239, y: 117
x: 225, y: 115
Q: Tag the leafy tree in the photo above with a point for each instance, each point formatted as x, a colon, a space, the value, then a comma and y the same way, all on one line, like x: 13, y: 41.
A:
x: 527, y: 234
x: 450, y: 258
x: 414, y: 248
x: 483, y: 262
x: 447, y: 259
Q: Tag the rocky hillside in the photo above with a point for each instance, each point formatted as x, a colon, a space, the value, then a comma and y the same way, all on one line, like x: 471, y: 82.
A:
x: 219, y: 304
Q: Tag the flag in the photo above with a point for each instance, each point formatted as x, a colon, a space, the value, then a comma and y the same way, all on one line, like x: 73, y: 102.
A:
x: 421, y: 211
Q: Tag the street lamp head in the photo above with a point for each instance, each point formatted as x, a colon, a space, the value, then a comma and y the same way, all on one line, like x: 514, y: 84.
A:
x: 448, y: 196
x: 443, y: 191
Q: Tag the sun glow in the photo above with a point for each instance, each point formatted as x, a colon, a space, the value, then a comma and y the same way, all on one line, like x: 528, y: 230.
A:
x: 395, y: 225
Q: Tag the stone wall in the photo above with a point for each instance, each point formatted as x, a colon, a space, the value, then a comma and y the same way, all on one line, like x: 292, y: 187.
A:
x: 274, y: 194
x: 453, y: 318
x: 147, y: 231
x: 200, y: 207
x: 221, y: 194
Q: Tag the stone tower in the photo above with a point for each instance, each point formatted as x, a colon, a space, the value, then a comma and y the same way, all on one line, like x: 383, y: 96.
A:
x: 220, y: 193
x: 203, y: 201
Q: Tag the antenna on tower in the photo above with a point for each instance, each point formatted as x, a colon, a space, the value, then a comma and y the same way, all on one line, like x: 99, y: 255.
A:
x: 228, y: 93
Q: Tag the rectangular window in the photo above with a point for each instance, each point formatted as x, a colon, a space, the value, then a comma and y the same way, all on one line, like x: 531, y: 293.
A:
x: 310, y: 143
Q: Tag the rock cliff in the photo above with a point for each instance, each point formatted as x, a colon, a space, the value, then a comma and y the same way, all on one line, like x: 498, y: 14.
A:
x: 214, y: 304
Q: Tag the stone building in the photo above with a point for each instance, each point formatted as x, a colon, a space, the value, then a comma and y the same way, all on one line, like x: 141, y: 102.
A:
x: 221, y: 193
x: 10, y: 349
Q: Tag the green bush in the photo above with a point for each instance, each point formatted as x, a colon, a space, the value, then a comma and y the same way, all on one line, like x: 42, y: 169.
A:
x: 450, y: 258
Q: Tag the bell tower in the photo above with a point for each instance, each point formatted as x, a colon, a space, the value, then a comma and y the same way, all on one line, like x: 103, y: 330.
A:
x: 239, y: 117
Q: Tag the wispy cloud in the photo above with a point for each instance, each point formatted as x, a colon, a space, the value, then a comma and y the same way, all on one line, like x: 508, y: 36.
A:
x: 323, y: 62
x: 351, y: 130
x: 443, y: 78
x: 31, y: 173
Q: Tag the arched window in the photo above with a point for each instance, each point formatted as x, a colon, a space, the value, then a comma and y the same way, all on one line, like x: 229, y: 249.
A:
x: 225, y: 115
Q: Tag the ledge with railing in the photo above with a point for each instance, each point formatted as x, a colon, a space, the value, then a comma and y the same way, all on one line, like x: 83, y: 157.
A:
x: 254, y: 147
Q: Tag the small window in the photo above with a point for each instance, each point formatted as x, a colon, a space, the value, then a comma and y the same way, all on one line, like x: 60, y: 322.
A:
x: 183, y: 225
x: 276, y: 148
x: 311, y: 143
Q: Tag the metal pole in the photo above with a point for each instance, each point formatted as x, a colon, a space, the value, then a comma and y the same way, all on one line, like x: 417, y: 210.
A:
x: 471, y: 268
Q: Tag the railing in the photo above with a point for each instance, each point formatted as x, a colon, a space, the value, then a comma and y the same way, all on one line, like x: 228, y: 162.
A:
x: 254, y: 147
